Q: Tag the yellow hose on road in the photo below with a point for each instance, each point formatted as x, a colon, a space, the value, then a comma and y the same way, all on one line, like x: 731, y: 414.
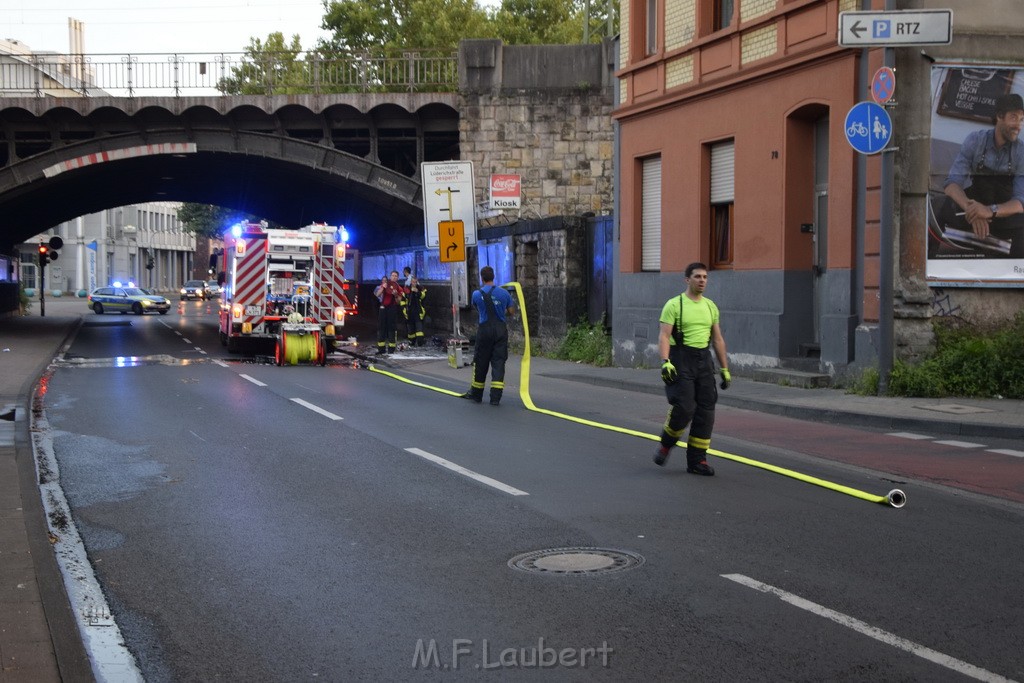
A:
x: 895, y: 498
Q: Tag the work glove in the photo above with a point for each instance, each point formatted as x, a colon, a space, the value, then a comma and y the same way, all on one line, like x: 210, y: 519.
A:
x: 668, y: 372
x: 726, y: 378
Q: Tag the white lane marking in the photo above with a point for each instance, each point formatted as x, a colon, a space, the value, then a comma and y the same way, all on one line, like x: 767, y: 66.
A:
x: 1007, y: 451
x: 199, y: 350
x: 196, y: 435
x: 870, y: 631
x: 187, y: 341
x: 961, y: 444
x: 909, y: 435
x: 253, y: 380
x: 317, y: 409
x: 221, y: 363
x: 469, y: 473
x: 177, y: 333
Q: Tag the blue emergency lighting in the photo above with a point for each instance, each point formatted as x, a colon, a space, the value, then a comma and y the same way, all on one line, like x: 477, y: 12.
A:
x: 236, y: 230
x: 344, y: 235
x: 117, y: 283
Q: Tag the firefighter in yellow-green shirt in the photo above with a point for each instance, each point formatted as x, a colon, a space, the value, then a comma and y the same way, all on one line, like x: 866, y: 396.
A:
x: 689, y: 330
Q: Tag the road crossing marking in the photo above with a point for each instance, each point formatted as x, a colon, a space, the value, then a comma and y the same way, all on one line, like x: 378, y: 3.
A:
x: 1007, y: 451
x: 871, y: 631
x: 469, y: 473
x: 253, y: 380
x: 961, y: 444
x: 316, y: 409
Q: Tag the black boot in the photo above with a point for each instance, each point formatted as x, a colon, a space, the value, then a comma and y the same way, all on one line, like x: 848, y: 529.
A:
x: 495, y: 396
x: 475, y: 395
x: 696, y: 463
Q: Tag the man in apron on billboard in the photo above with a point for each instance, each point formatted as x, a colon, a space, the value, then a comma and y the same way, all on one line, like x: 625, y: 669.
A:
x: 985, y: 186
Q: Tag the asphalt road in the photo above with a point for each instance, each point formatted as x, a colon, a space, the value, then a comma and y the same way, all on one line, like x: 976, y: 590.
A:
x: 250, y: 522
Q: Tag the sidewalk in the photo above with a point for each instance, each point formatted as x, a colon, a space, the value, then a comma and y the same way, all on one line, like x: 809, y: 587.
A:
x: 39, y: 639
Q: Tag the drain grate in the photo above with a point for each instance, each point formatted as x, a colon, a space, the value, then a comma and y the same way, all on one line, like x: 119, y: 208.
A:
x: 576, y: 561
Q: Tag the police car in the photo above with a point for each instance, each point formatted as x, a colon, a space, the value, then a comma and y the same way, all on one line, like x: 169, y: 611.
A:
x: 125, y: 299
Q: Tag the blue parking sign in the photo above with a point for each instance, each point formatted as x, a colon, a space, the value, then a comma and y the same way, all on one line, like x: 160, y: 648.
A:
x: 868, y: 127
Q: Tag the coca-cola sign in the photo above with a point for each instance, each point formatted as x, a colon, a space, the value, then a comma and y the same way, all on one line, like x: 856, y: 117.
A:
x: 506, y: 190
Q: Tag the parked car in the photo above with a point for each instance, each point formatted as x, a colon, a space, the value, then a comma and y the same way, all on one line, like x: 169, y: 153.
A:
x: 193, y: 289
x: 124, y: 299
x: 212, y: 289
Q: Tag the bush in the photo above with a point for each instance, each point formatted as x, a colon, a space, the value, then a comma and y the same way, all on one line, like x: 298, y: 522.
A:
x: 586, y: 343
x: 967, y: 362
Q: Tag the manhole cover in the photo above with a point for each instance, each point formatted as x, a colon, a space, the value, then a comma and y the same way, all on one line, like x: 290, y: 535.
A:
x: 576, y: 561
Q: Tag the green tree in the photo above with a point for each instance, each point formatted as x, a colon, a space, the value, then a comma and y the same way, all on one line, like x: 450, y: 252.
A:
x: 376, y: 27
x: 206, y: 219
x: 270, y: 67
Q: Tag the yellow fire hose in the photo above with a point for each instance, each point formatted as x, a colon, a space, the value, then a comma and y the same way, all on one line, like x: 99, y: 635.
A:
x: 300, y: 347
x: 896, y: 498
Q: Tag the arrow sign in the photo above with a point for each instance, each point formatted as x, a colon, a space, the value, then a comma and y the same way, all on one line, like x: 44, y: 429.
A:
x: 448, y: 195
x: 896, y: 28
x: 452, y: 241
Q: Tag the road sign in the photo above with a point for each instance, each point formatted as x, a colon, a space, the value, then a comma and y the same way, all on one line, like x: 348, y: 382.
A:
x: 883, y: 85
x: 448, y: 196
x: 896, y: 28
x: 868, y: 127
x: 453, y: 241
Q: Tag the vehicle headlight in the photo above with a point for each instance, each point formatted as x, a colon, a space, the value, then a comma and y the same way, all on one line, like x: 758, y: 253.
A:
x: 147, y: 302
x: 182, y: 290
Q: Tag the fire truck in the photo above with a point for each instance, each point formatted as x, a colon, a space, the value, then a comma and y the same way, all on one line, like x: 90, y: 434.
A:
x: 285, y: 292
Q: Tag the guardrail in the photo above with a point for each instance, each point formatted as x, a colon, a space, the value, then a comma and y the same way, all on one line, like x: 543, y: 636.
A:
x: 225, y: 73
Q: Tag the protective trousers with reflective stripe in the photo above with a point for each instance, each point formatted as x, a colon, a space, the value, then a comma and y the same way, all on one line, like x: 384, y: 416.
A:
x: 491, y: 351
x: 692, y: 396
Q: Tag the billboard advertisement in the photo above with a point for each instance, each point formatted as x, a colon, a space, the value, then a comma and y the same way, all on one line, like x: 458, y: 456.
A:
x: 976, y: 185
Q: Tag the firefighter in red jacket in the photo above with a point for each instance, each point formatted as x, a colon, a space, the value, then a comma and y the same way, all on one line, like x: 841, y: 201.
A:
x: 390, y: 294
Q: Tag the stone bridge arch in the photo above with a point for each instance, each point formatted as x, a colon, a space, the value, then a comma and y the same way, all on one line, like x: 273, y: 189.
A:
x: 296, y: 159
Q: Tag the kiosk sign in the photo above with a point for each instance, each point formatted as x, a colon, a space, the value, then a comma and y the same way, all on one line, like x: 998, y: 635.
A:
x: 506, y: 191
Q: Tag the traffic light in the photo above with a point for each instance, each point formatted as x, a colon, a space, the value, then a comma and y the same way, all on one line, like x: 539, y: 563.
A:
x: 150, y: 263
x: 48, y: 251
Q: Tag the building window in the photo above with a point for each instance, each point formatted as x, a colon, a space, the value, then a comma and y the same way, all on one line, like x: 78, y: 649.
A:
x: 722, y: 16
x: 650, y: 214
x: 651, y: 28
x: 722, y: 200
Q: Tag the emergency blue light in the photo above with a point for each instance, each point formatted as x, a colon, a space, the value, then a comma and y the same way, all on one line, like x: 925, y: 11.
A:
x: 236, y: 230
x: 343, y: 235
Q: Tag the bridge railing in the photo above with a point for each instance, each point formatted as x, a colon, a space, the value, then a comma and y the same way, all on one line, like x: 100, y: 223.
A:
x: 224, y: 73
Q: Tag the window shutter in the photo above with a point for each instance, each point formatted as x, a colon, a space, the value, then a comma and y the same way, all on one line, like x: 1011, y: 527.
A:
x: 650, y: 219
x: 723, y: 176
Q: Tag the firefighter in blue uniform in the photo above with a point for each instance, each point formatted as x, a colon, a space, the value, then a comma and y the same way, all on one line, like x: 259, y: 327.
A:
x: 494, y: 304
x: 689, y: 330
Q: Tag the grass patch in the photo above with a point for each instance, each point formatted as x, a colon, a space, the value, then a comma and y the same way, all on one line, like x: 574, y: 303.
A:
x: 586, y: 343
x: 968, y: 362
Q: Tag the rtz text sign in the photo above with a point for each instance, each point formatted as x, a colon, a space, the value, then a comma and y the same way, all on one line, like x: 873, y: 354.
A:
x: 896, y: 28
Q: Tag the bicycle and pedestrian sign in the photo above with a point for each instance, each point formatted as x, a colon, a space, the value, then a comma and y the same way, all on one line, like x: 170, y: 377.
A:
x: 868, y: 127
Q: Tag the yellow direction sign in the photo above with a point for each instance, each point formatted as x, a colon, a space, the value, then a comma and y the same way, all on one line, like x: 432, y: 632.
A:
x: 452, y: 236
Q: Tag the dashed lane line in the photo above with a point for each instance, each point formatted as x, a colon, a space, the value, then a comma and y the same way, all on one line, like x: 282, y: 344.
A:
x: 878, y: 634
x: 253, y: 380
x: 317, y: 409
x: 961, y: 444
x: 468, y: 473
